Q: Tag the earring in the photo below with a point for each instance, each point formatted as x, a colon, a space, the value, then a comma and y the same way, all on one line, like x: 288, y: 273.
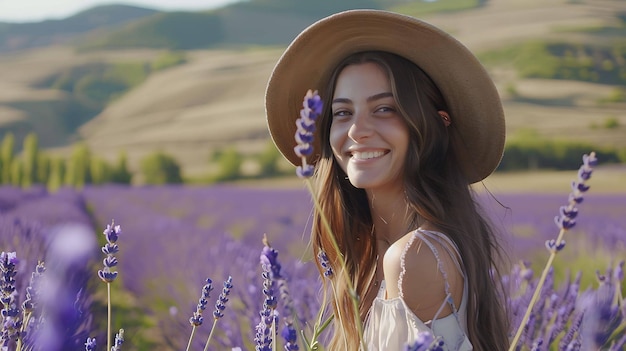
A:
x: 446, y: 118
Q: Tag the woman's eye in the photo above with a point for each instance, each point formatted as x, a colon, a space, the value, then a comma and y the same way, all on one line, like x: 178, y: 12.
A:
x: 385, y: 109
x: 341, y: 113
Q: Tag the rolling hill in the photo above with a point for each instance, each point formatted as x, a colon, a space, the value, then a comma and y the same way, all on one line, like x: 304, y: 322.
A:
x: 215, y: 98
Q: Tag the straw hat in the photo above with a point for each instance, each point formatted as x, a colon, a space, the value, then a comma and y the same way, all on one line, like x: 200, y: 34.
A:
x: 477, y: 130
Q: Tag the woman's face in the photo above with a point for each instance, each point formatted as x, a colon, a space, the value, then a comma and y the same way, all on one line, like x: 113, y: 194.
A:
x: 368, y: 136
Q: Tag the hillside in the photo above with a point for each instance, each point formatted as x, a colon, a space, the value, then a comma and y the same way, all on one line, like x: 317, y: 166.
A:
x: 20, y: 36
x: 216, y: 97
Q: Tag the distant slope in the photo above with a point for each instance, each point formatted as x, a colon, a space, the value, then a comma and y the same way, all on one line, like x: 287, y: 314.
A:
x: 18, y: 36
x: 255, y: 22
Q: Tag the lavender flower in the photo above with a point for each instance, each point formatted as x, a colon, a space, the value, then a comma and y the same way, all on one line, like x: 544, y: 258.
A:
x: 291, y: 337
x: 32, y: 292
x: 10, y: 321
x: 90, y: 344
x: 111, y: 233
x: 325, y: 263
x: 197, y: 318
x: 567, y: 214
x: 119, y: 340
x: 264, y: 330
x: 220, y: 304
x: 311, y: 109
x: 425, y: 341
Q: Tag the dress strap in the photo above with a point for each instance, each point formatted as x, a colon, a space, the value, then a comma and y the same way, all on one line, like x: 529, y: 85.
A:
x: 451, y: 250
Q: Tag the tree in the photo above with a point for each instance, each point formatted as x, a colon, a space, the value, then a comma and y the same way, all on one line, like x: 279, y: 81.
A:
x: 29, y: 169
x: 6, y: 157
x: 120, y: 173
x: 57, y: 173
x: 229, y: 165
x: 78, y: 171
x: 160, y: 168
x: 268, y: 160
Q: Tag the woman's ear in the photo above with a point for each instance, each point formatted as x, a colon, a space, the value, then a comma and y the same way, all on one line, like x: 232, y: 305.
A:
x: 445, y: 116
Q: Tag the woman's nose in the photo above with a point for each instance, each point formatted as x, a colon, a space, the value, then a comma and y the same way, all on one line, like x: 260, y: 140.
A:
x: 361, y: 127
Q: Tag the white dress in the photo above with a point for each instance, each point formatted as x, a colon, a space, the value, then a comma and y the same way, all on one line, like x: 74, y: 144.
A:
x: 391, y: 324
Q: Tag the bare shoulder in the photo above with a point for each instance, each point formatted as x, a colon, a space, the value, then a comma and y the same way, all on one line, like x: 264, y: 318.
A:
x: 423, y: 283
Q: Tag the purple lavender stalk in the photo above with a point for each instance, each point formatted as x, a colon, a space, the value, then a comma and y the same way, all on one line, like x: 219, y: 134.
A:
x: 197, y: 319
x: 311, y: 110
x: 220, y: 306
x: 111, y: 233
x: 11, y: 324
x: 265, y: 334
x: 565, y: 221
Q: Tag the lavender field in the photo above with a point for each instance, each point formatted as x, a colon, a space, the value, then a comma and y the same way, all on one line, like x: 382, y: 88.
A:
x: 175, y: 237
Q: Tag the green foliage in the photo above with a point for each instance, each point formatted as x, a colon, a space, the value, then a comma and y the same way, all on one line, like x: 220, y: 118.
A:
x: 6, y: 157
x: 617, y: 95
x: 611, y: 123
x: 229, y: 162
x: 103, y: 84
x: 421, y: 8
x: 562, y: 60
x: 268, y: 161
x: 16, y: 172
x: 36, y: 167
x: 120, y: 173
x: 168, y: 59
x: 160, y: 168
x: 43, y: 168
x: 78, y: 171
x: 57, y: 174
x: 172, y: 30
x: 527, y: 150
x: 99, y: 170
x: 29, y: 167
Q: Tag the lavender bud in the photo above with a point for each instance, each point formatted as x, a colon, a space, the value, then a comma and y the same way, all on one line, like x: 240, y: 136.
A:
x: 197, y: 319
x: 220, y: 305
x: 590, y: 160
x: 90, y: 344
x: 305, y: 171
x: 303, y: 150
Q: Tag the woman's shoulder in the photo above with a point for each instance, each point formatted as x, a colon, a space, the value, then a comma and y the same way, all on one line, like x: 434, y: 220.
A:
x: 425, y: 268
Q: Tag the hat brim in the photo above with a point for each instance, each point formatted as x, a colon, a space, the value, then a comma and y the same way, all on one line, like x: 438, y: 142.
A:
x: 478, y: 126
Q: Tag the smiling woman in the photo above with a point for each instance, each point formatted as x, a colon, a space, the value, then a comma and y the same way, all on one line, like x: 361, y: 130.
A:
x: 411, y: 120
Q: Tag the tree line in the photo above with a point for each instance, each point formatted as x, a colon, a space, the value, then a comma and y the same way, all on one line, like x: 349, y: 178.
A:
x: 523, y: 151
x: 83, y: 167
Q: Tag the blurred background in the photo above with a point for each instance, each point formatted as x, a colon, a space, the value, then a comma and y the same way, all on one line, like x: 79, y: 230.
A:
x: 183, y: 82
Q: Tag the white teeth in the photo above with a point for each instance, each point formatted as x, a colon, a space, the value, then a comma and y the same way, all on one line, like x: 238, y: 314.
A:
x: 367, y: 155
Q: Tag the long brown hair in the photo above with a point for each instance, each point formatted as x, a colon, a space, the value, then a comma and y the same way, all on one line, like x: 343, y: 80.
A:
x: 437, y: 192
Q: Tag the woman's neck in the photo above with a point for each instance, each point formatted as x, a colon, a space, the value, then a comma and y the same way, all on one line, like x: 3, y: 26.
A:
x: 390, y: 215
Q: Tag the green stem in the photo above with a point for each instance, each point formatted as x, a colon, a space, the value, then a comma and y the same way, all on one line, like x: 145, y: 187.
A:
x: 193, y: 331
x: 206, y: 346
x: 273, y: 332
x: 108, y: 315
x: 535, y: 297
x: 344, y: 270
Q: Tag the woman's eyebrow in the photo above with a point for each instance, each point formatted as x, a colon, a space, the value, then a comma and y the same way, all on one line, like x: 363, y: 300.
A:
x: 369, y: 99
x: 379, y: 96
